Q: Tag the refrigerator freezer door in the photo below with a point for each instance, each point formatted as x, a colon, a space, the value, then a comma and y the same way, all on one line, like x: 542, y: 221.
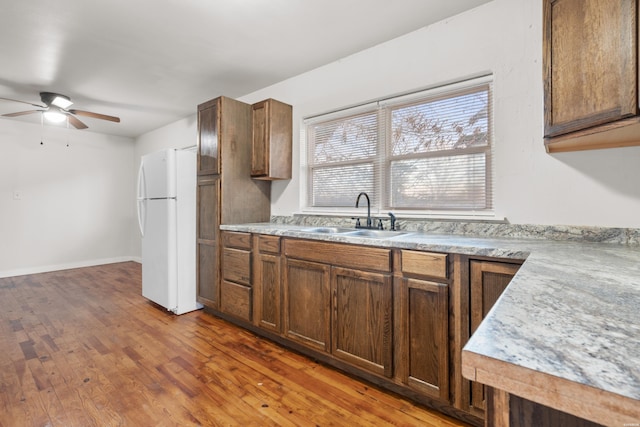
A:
x: 157, y: 175
x: 159, y: 276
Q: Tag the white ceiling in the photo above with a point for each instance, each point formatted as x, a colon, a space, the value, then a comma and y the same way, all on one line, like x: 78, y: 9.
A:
x: 151, y: 62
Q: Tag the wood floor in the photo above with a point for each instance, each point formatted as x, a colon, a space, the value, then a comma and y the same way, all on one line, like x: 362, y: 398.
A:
x: 83, y: 348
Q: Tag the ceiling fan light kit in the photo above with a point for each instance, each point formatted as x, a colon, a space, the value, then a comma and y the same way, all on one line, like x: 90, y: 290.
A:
x: 56, y: 110
x: 54, y: 116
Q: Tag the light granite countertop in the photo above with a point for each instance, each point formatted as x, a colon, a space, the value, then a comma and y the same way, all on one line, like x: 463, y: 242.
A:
x: 571, y: 312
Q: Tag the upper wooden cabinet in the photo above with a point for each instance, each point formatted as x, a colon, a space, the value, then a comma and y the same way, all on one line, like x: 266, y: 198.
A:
x: 272, y: 139
x: 208, y: 129
x: 590, y: 52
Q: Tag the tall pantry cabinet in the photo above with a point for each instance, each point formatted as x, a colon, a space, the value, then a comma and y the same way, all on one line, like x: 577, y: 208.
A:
x: 226, y: 193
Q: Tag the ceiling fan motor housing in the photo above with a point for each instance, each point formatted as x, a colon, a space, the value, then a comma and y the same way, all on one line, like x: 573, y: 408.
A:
x: 49, y: 97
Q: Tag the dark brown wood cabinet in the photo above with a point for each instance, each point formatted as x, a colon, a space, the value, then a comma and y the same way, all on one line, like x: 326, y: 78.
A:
x: 506, y: 410
x: 307, y: 303
x: 487, y: 281
x: 226, y: 193
x: 422, y: 313
x: 396, y: 317
x: 267, y: 282
x: 590, y: 56
x: 235, y: 287
x: 338, y: 299
x: 362, y: 323
x: 208, y: 138
x: 208, y: 212
x: 272, y: 140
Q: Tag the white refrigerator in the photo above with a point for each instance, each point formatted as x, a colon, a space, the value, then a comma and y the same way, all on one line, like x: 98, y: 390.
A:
x: 166, y: 201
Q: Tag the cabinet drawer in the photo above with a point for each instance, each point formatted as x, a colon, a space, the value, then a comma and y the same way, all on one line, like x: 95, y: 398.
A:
x: 235, y: 299
x: 269, y: 244
x: 233, y: 239
x: 236, y: 266
x: 425, y: 264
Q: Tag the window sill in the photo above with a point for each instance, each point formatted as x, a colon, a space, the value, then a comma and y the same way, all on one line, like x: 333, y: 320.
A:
x: 489, y: 217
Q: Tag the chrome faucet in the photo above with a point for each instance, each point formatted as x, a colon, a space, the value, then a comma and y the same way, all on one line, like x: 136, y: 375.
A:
x: 369, y: 222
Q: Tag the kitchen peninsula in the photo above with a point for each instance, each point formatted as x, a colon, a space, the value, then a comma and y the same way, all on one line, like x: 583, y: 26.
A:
x: 564, y: 334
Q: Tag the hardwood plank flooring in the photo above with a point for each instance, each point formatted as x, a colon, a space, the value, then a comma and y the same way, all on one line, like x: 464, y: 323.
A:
x: 83, y: 348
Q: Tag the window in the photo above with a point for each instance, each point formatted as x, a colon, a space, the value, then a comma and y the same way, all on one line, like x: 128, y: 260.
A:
x: 429, y: 152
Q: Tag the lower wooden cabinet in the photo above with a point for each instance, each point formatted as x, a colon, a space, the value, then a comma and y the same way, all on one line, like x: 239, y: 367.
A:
x: 235, y: 286
x: 422, y: 322
x: 362, y: 324
x: 340, y: 306
x: 508, y: 410
x: 426, y: 329
x: 397, y: 317
x: 235, y: 299
x: 487, y: 281
x: 266, y: 283
x: 307, y: 302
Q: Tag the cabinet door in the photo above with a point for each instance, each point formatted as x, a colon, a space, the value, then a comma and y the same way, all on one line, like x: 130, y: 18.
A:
x: 590, y: 67
x: 208, y: 138
x: 260, y: 141
x: 267, y: 291
x: 362, y: 310
x: 426, y: 336
x: 272, y: 140
x: 488, y: 281
x: 208, y: 221
x: 307, y: 303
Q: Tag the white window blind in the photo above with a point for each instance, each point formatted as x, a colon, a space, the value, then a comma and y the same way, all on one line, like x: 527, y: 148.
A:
x: 426, y: 152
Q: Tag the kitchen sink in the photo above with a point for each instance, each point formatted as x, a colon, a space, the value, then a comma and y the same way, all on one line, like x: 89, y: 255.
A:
x: 327, y: 230
x: 375, y: 234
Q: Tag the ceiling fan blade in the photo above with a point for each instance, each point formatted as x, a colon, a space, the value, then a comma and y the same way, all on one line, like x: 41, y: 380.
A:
x: 75, y: 122
x: 95, y: 115
x: 21, y: 113
x: 24, y: 102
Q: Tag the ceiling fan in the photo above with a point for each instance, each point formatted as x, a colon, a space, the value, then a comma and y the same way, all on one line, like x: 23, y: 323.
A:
x: 56, y: 109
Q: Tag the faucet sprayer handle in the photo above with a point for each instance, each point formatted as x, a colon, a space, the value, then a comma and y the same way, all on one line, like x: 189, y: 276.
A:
x: 393, y: 220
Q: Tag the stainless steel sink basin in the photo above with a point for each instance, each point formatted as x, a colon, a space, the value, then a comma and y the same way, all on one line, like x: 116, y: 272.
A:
x: 375, y: 234
x: 327, y: 230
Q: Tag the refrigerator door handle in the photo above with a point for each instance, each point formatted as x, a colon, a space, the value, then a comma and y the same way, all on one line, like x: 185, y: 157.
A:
x: 141, y: 186
x: 141, y: 214
x: 140, y: 199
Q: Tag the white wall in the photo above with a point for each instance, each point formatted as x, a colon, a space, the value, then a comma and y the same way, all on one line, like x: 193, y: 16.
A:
x: 180, y: 134
x: 75, y: 205
x: 504, y: 37
x: 78, y: 202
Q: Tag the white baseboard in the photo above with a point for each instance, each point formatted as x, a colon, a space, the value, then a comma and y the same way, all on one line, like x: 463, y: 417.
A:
x: 58, y: 267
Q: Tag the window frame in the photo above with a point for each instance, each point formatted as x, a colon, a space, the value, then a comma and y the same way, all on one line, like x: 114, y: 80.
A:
x: 382, y: 203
